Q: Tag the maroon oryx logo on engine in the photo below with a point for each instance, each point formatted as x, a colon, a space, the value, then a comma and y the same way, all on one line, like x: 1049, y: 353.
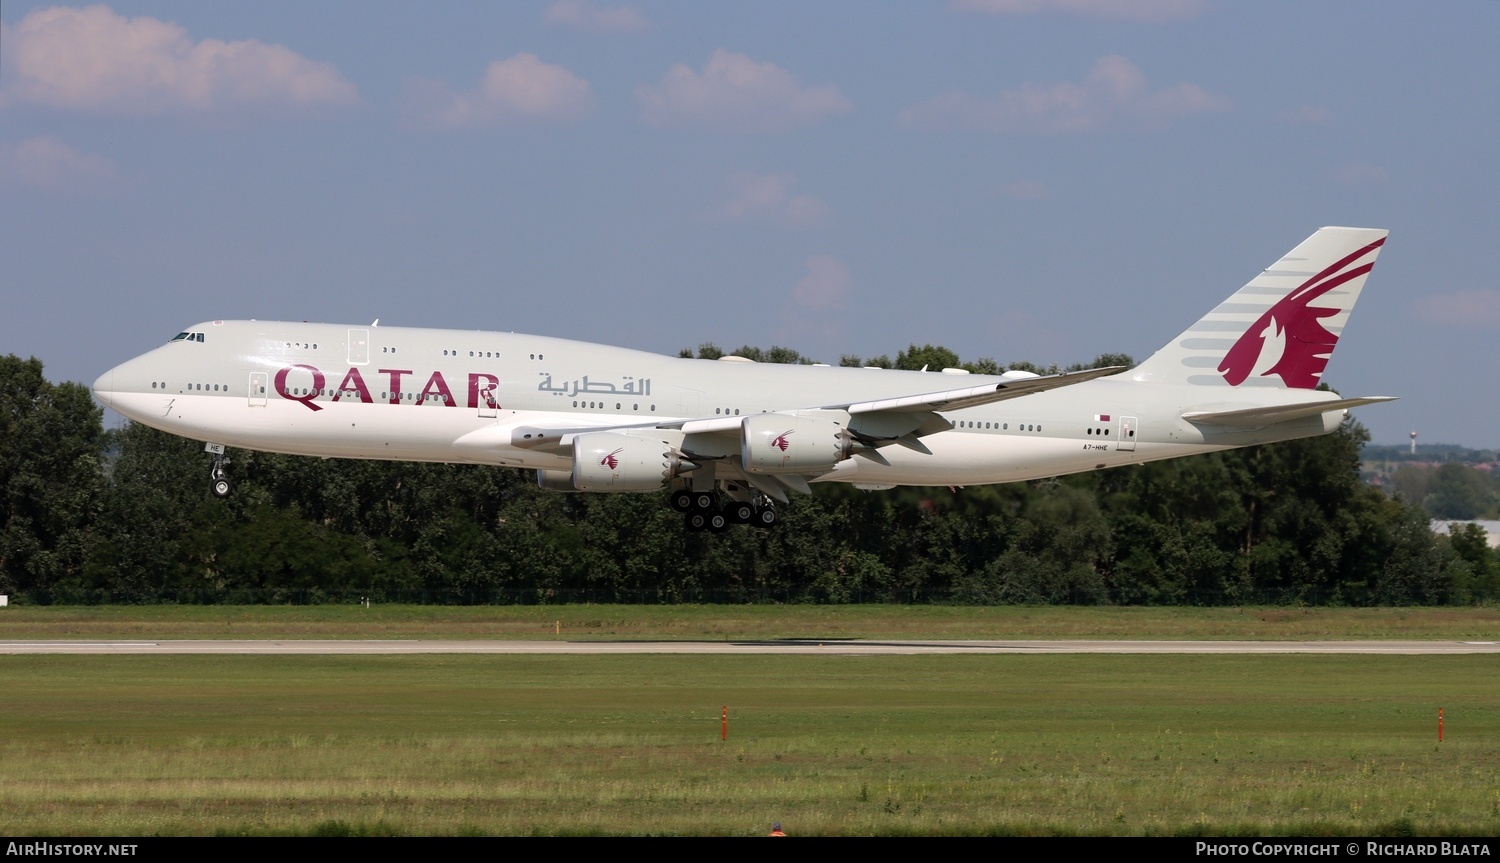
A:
x: 610, y: 461
x: 1289, y: 339
x: 780, y: 442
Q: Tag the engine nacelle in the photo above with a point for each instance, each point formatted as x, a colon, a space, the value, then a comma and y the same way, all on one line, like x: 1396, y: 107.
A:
x: 555, y: 480
x: 783, y: 443
x: 609, y: 461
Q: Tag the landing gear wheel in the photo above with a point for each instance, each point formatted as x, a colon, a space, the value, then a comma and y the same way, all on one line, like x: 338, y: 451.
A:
x: 703, y: 500
x: 741, y: 512
x: 718, y: 522
x: 682, y: 500
x: 696, y: 520
x: 220, y: 485
x: 766, y: 517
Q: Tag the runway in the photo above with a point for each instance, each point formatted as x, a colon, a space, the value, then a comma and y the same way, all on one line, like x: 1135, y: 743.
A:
x: 803, y: 647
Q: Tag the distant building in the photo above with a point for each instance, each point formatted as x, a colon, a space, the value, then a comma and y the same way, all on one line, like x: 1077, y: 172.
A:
x: 1491, y: 529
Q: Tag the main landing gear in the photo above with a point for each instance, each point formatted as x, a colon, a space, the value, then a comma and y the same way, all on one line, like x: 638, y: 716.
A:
x: 701, y: 511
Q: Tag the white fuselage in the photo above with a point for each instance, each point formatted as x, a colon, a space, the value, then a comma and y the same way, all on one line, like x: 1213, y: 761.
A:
x: 457, y: 396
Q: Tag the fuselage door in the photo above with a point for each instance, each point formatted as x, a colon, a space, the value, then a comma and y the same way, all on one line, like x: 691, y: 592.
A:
x: 259, y: 381
x: 359, y: 347
x: 1126, y: 441
x: 488, y: 407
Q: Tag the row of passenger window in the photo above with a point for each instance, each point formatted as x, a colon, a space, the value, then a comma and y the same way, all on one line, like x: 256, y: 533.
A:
x: 216, y: 388
x: 601, y: 406
x: 976, y: 424
x: 493, y: 355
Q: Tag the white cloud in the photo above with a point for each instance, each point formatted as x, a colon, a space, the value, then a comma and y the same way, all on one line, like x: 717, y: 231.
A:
x: 1361, y: 175
x: 769, y: 198
x: 521, y: 89
x: 95, y: 60
x: 826, y: 285
x: 1028, y: 190
x: 1138, y: 10
x: 734, y: 93
x: 582, y: 15
x: 49, y: 163
x: 1463, y: 309
x: 1114, y: 92
x: 813, y: 314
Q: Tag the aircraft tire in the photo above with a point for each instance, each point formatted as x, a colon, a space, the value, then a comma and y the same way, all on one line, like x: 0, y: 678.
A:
x: 703, y: 500
x: 221, y: 487
x: 767, y: 517
x: 741, y: 512
x: 696, y: 521
x: 682, y: 500
x: 718, y: 521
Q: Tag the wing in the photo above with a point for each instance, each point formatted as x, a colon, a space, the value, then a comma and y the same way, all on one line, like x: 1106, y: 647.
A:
x: 970, y: 397
x: 920, y: 405
x: 869, y: 426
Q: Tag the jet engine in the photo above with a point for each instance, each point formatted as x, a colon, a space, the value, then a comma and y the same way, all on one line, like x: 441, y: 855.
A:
x: 784, y: 443
x: 555, y: 480
x: 609, y: 461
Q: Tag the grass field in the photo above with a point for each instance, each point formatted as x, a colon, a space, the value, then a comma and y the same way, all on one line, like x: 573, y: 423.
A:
x: 724, y: 622
x: 1326, y: 745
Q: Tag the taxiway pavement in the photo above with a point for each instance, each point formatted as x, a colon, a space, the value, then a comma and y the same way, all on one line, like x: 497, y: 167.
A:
x: 806, y: 647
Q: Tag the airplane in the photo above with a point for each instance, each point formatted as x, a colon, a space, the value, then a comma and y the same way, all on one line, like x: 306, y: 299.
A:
x: 728, y: 439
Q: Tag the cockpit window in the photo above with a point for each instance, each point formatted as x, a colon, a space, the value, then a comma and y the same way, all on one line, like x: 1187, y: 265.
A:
x: 190, y: 337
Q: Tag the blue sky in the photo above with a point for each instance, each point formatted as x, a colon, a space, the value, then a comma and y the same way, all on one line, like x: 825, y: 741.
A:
x: 1043, y: 180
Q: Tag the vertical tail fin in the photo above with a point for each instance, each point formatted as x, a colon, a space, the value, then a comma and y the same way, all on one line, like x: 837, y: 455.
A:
x: 1280, y: 329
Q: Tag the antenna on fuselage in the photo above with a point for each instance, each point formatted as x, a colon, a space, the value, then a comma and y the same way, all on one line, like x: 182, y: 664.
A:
x: 376, y: 323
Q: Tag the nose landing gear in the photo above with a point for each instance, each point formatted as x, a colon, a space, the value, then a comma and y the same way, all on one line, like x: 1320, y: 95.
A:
x: 219, y: 483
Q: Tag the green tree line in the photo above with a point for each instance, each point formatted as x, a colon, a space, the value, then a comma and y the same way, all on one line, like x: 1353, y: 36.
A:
x: 92, y: 516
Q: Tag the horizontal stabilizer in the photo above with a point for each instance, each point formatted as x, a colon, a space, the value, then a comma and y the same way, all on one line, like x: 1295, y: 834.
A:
x: 1264, y: 416
x: 968, y: 397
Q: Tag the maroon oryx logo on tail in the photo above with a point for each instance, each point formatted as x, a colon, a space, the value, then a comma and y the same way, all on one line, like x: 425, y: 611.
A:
x: 780, y: 442
x: 610, y: 461
x: 1290, y: 339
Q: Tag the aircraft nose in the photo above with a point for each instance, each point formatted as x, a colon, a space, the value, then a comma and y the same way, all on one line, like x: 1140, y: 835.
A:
x: 104, y: 389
